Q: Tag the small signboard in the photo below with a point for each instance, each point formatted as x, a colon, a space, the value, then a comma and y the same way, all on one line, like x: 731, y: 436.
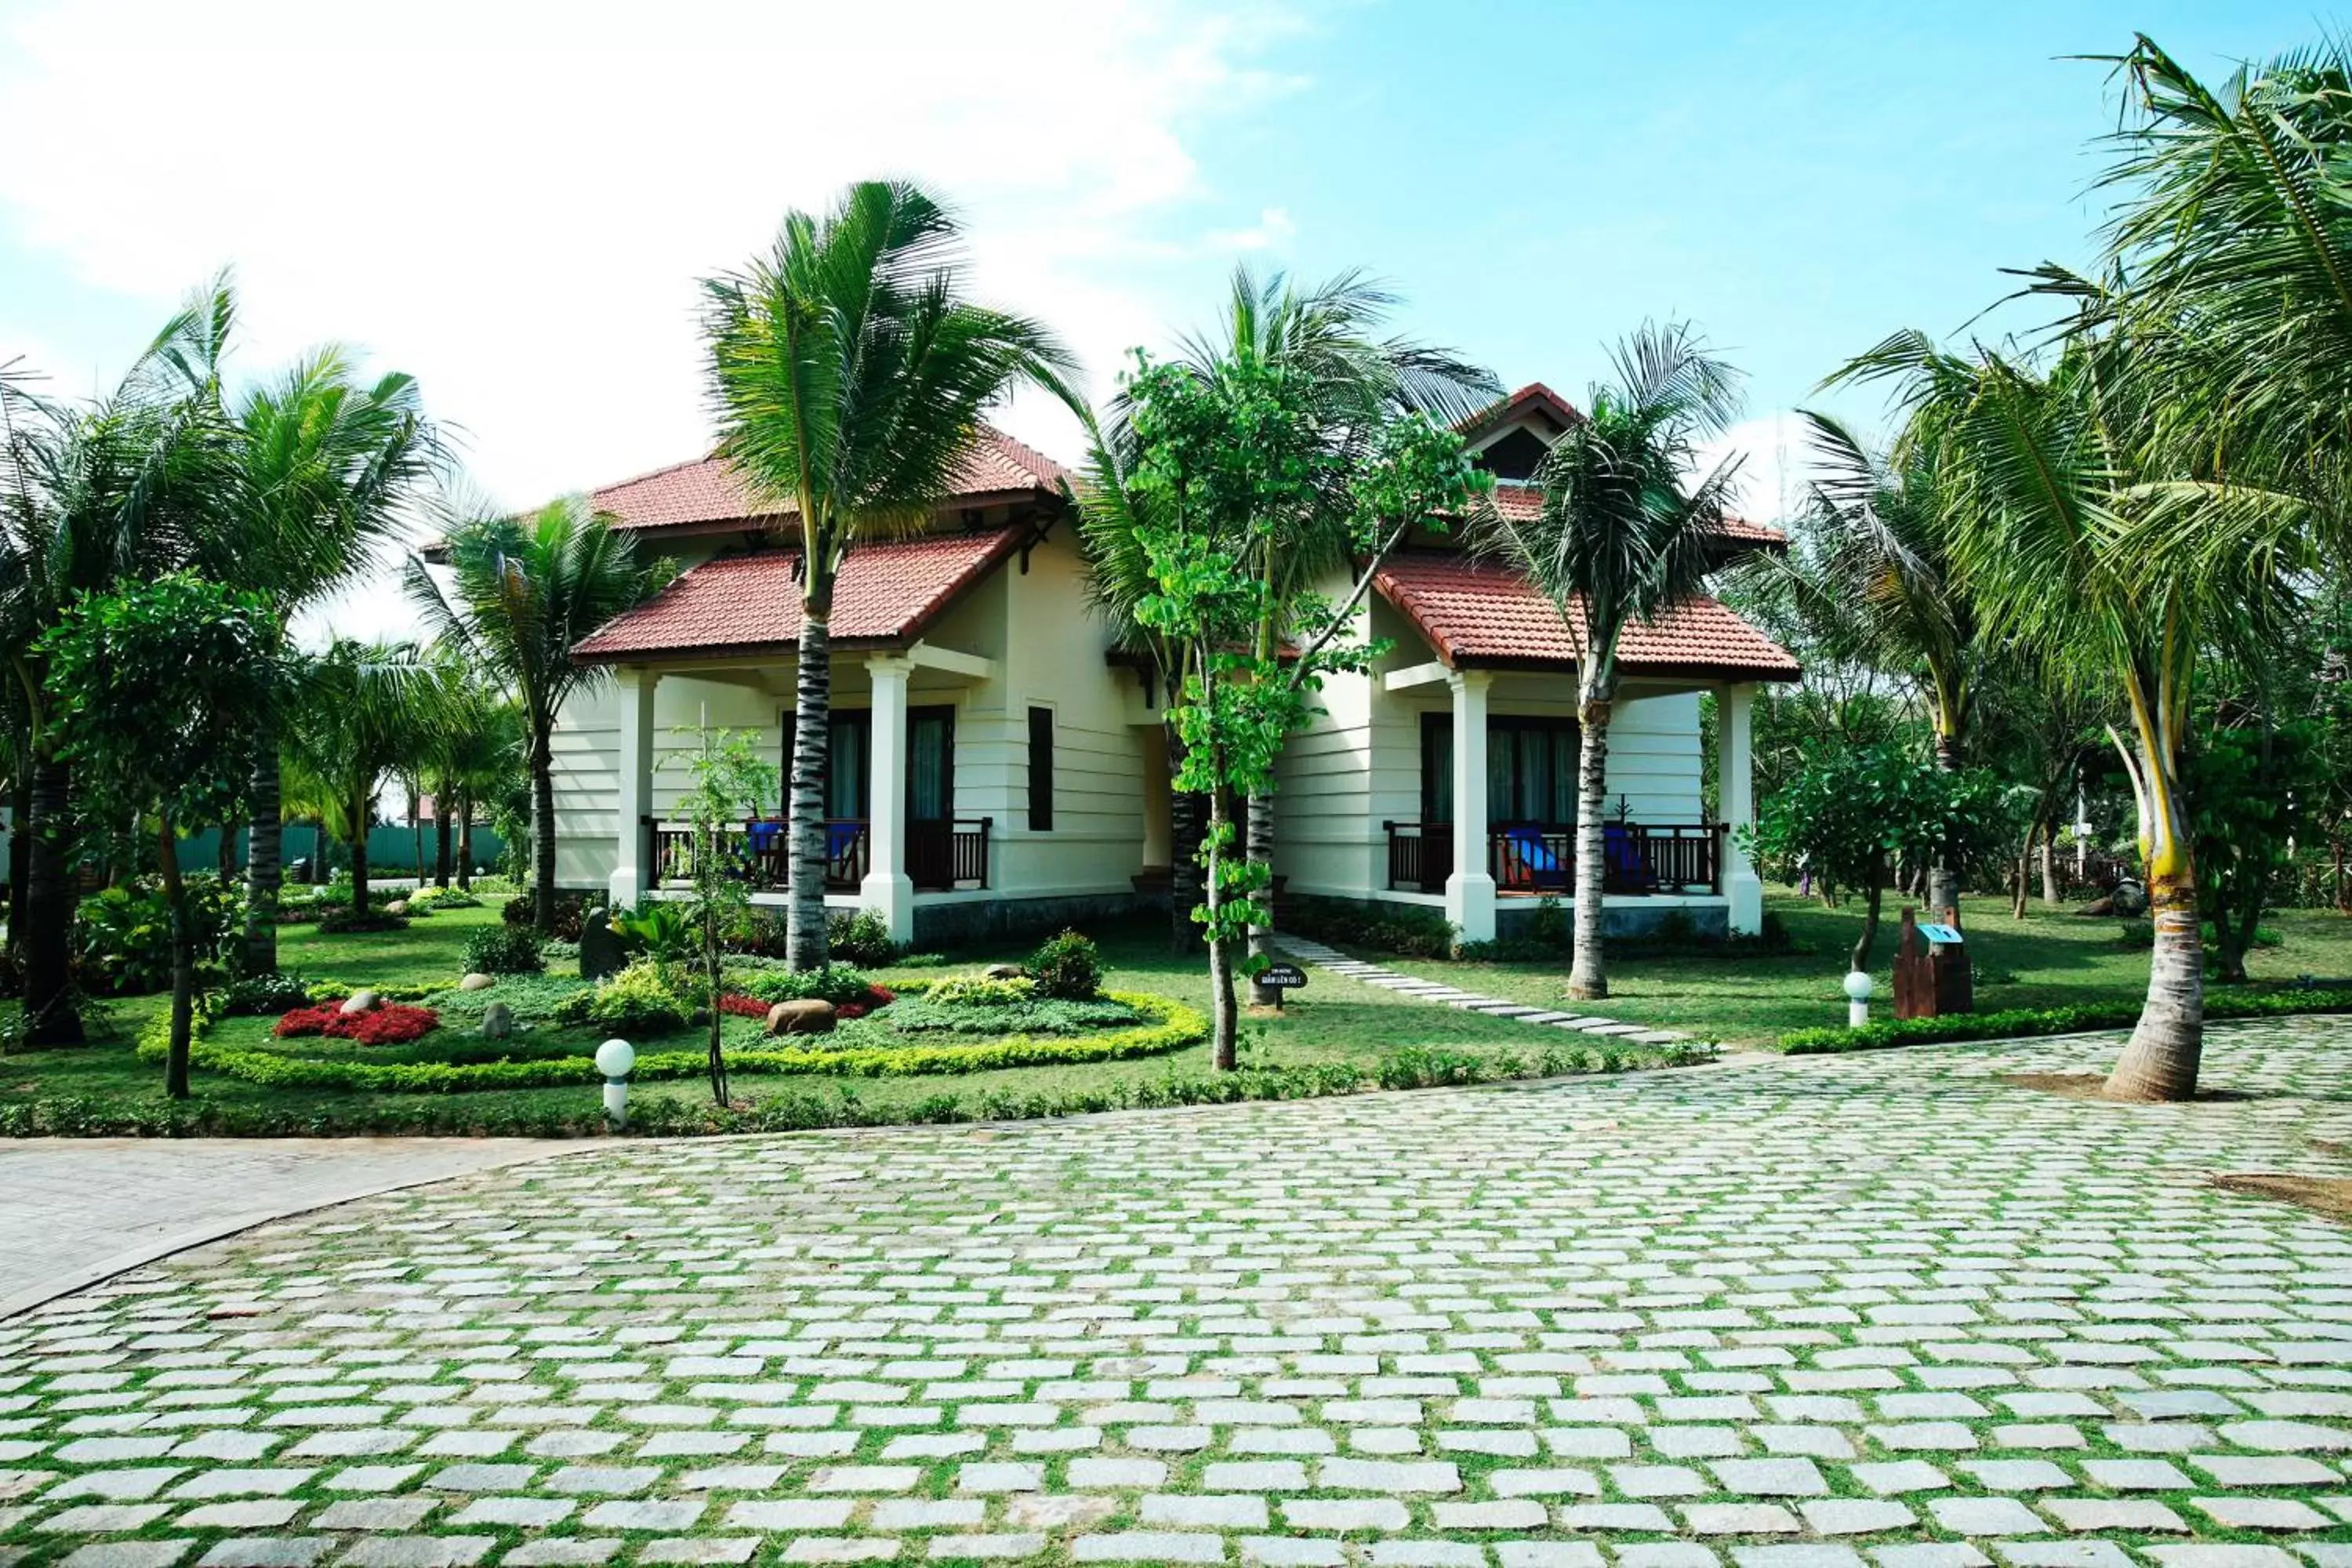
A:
x: 1282, y: 977
x: 1941, y: 935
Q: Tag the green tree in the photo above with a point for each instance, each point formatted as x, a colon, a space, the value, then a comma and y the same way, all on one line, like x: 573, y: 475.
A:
x: 2249, y: 789
x: 355, y: 714
x: 849, y: 374
x: 155, y: 684
x: 521, y: 593
x: 1853, y: 813
x: 727, y: 779
x: 1622, y: 537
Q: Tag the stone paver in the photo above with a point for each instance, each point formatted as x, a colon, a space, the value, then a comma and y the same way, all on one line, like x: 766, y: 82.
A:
x: 1863, y: 1312
x: 1331, y: 961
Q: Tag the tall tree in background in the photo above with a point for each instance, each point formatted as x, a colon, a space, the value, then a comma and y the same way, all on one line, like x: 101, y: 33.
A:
x: 1622, y: 536
x: 355, y: 715
x: 92, y: 495
x: 521, y: 593
x: 848, y: 374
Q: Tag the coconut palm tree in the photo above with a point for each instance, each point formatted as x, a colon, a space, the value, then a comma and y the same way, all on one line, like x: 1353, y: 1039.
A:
x: 848, y: 375
x: 2057, y: 524
x: 358, y: 713
x: 1886, y: 554
x: 1622, y: 536
x: 89, y: 494
x: 521, y: 593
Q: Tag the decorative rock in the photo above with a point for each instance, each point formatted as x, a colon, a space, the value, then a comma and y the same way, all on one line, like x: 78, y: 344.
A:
x: 397, y: 906
x: 1003, y: 971
x: 600, y: 946
x: 498, y: 1021
x: 477, y: 980
x: 809, y: 1015
x: 360, y: 1001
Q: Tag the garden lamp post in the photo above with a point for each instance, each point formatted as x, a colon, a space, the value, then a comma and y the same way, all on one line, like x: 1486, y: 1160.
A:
x: 1858, y: 988
x: 614, y: 1059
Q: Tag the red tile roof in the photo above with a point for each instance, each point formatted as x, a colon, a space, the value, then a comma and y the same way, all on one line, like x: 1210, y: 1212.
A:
x: 1477, y: 613
x: 887, y: 594
x: 1521, y: 502
x: 1534, y: 394
x: 710, y: 492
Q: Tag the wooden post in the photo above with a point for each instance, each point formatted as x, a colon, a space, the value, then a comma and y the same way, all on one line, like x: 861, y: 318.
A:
x: 1955, y: 980
x: 1915, y: 982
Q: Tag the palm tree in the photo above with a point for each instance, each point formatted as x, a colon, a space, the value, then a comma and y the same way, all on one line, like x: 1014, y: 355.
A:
x: 478, y: 757
x: 88, y: 495
x: 521, y: 593
x: 1886, y: 551
x: 848, y: 375
x: 1620, y: 538
x: 328, y: 467
x: 359, y: 712
x: 2058, y: 538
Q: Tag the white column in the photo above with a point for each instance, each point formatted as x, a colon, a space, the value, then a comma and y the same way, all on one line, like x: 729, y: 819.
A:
x: 1735, y: 758
x: 632, y: 875
x: 886, y: 890
x: 1470, y: 891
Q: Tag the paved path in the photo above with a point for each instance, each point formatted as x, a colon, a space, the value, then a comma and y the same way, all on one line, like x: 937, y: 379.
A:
x: 1835, y: 1313
x: 75, y: 1210
x: 1337, y: 962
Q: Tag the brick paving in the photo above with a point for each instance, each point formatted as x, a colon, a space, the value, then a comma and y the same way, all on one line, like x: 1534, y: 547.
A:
x: 1876, y: 1311
x: 1332, y: 960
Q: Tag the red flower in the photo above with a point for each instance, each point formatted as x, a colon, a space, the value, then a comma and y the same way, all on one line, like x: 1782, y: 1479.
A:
x: 392, y: 1024
x: 742, y: 1006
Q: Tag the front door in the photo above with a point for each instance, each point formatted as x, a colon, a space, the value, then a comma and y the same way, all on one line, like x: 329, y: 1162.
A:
x: 930, y: 796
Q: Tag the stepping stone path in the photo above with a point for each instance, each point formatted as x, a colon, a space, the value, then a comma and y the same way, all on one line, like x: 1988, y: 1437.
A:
x: 1871, y: 1311
x: 1333, y: 961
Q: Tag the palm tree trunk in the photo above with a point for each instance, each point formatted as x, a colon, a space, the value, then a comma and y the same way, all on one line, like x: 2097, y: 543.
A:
x: 441, y: 799
x: 542, y: 831
x: 20, y: 855
x: 1224, y: 1013
x: 1943, y: 873
x: 804, y: 933
x: 1184, y: 852
x: 1261, y: 853
x: 465, y: 841
x: 1588, y: 971
x: 50, y: 1016
x: 184, y: 962
x: 2161, y: 1060
x: 416, y: 835
x: 360, y: 826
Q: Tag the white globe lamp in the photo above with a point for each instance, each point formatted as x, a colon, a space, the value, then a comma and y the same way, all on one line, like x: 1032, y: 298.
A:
x: 614, y: 1059
x: 1858, y: 988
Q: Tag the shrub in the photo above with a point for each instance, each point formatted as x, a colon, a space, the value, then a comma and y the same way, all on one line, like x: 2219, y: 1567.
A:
x: 122, y: 936
x: 442, y: 899
x: 2023, y: 1022
x: 1067, y: 967
x: 2138, y: 936
x: 645, y: 997
x: 570, y: 909
x: 836, y: 982
x: 1402, y: 929
x: 256, y: 995
x: 390, y: 1025
x: 504, y: 950
x: 661, y: 928
x: 526, y: 997
x: 1037, y: 1016
x: 743, y: 1007
x: 977, y: 990
x: 517, y: 910
x: 859, y: 937
x: 347, y: 921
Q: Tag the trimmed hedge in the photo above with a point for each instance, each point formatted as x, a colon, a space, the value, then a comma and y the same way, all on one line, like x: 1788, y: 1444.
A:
x: 2025, y: 1022
x: 1171, y: 1025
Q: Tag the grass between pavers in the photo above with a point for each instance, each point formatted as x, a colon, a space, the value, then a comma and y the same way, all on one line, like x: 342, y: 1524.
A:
x: 1335, y: 1037
x: 2050, y: 958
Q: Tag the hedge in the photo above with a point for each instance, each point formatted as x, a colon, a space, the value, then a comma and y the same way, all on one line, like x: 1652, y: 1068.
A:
x: 1173, y: 1025
x: 800, y: 1111
x: 2023, y: 1022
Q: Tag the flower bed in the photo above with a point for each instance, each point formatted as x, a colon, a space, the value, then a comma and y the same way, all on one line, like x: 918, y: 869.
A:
x: 392, y: 1024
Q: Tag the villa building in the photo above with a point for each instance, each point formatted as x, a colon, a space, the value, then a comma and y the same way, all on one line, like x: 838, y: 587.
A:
x: 995, y: 764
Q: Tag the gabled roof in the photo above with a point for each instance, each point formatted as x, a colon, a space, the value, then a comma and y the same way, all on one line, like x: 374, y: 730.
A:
x: 1484, y: 614
x: 1518, y: 502
x: 708, y: 494
x: 1534, y: 396
x: 884, y: 597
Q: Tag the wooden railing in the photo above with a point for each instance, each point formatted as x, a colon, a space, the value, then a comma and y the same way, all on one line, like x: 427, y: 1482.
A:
x: 941, y: 855
x: 1532, y: 858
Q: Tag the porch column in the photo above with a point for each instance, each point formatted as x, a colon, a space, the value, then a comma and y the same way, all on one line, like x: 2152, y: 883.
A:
x: 886, y: 890
x: 1470, y: 891
x: 1735, y: 792
x: 633, y: 872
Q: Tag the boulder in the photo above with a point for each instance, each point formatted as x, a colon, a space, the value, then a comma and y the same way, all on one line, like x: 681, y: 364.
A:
x: 498, y: 1021
x: 1003, y: 971
x: 397, y: 906
x: 2130, y: 897
x: 477, y: 980
x: 360, y: 1001
x: 601, y: 952
x: 810, y: 1015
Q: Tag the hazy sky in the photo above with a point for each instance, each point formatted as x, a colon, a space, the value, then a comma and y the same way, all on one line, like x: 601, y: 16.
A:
x: 515, y: 202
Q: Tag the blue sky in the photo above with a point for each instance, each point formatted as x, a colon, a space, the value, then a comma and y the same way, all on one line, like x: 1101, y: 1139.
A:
x: 517, y: 210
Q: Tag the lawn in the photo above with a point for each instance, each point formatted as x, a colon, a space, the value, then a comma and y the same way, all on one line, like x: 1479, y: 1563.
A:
x: 1332, y: 1023
x: 2047, y: 960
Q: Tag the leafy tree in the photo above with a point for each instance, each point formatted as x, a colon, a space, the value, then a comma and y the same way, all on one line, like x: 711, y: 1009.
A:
x: 90, y: 495
x: 155, y: 684
x: 521, y: 593
x: 356, y: 713
x: 727, y: 779
x: 2248, y: 791
x: 1853, y: 813
x: 849, y: 374
x: 1621, y: 538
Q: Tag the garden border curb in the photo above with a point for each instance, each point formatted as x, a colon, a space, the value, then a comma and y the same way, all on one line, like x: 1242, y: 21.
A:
x: 22, y: 1301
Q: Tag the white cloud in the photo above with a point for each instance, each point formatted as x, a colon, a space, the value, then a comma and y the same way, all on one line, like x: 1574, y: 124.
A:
x: 1273, y: 231
x: 514, y: 202
x: 1773, y: 470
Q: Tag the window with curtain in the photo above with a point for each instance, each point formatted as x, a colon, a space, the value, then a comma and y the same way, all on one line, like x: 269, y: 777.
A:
x: 1530, y: 770
x: 930, y: 764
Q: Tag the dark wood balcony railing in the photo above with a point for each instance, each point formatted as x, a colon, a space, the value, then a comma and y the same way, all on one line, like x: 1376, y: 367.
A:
x: 1643, y: 857
x: 941, y: 855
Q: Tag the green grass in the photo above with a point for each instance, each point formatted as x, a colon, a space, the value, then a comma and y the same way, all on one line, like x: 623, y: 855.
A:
x: 2057, y: 958
x: 1333, y: 1022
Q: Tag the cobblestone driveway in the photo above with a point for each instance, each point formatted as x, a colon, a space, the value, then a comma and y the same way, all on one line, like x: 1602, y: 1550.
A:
x: 1788, y: 1315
